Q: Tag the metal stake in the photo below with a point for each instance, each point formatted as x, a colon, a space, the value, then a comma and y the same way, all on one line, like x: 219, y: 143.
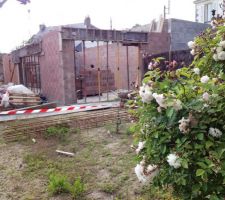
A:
x: 84, y: 80
x: 99, y: 75
x: 107, y: 66
x: 128, y: 73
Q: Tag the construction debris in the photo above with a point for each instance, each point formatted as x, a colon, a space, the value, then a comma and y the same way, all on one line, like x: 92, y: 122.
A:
x: 17, y: 96
x: 65, y: 153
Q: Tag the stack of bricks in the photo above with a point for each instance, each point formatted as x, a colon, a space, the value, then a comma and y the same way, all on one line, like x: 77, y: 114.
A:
x: 89, y: 83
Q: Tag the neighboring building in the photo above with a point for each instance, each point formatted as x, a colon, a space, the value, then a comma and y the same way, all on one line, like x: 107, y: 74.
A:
x: 1, y: 69
x: 182, y: 31
x: 203, y: 9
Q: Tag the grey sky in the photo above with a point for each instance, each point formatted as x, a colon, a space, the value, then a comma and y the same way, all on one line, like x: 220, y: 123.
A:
x: 18, y: 25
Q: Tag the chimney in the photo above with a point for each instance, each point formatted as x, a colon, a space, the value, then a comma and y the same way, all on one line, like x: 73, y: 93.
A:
x: 42, y: 27
x: 87, y: 21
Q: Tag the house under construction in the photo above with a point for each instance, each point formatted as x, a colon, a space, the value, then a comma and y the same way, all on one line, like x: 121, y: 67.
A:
x: 66, y: 63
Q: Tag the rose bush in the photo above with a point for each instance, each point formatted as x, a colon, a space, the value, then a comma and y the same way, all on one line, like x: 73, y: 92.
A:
x: 181, y: 123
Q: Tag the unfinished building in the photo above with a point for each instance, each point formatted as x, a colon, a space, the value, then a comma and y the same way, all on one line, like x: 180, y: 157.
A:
x: 66, y: 63
x: 47, y: 64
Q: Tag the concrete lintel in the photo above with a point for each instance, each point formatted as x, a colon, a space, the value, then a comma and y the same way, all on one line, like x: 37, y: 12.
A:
x: 104, y: 35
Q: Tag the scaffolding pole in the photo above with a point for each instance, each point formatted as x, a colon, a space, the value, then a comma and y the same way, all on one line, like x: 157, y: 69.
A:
x: 107, y: 66
x: 128, y: 69
x: 139, y: 67
x: 99, y: 73
x: 84, y: 80
x: 118, y: 65
x: 75, y: 70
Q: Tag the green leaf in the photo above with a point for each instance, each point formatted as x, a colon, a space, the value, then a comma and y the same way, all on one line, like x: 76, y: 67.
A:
x: 221, y: 152
x: 202, y: 165
x: 208, y: 144
x: 169, y: 112
x: 200, y: 172
x: 184, y: 164
x: 200, y: 136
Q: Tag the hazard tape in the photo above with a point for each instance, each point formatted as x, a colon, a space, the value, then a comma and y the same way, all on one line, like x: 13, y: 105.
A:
x: 58, y: 109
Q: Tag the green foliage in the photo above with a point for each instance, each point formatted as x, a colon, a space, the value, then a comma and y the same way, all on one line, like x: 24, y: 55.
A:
x: 34, y: 161
x: 108, y: 188
x: 59, y: 184
x: 57, y: 131
x: 201, y: 155
x: 77, y: 189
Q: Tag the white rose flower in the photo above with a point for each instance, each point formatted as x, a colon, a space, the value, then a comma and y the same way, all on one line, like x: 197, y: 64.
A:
x: 159, y: 109
x: 139, y: 171
x: 215, y: 132
x: 146, y: 93
x: 173, y: 160
x: 221, y: 55
x: 192, y: 52
x: 215, y: 57
x: 205, y: 79
x: 151, y: 168
x: 196, y: 71
x: 222, y: 44
x: 150, y: 66
x: 184, y: 125
x: 219, y: 49
x: 205, y: 96
x: 160, y: 100
x: 191, y: 44
x: 177, y: 105
x: 141, y: 146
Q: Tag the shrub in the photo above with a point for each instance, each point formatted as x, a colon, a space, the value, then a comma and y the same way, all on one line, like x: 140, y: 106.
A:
x: 77, y: 189
x: 58, y: 131
x: 58, y: 184
x: 181, y: 123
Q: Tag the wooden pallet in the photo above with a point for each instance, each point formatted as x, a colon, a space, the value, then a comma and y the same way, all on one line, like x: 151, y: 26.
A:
x: 24, y: 99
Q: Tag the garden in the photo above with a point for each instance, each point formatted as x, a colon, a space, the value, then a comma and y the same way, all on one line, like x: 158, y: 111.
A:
x: 180, y: 128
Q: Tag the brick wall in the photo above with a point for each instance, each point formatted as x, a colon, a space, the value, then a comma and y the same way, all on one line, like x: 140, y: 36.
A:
x: 68, y: 71
x: 51, y: 68
x: 121, y: 75
x: 158, y: 43
x: 1, y: 68
x: 57, y: 69
x: 183, y: 31
x: 10, y: 70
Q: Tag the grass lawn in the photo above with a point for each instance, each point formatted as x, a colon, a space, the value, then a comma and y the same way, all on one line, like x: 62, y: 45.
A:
x: 104, y: 161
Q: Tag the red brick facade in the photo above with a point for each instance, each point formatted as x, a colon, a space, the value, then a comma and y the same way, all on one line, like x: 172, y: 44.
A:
x: 121, y: 81
x: 10, y: 70
x: 158, y: 43
x: 57, y: 69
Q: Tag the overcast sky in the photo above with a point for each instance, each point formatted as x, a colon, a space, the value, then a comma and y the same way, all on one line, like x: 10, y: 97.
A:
x: 17, y: 24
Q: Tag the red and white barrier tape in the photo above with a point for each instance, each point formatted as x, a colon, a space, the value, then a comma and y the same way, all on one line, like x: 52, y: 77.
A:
x: 58, y: 109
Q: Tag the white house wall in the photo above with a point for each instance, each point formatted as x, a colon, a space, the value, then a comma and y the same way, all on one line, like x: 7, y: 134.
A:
x: 200, y: 9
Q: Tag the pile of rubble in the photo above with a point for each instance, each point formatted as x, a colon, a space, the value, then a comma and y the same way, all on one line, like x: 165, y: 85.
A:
x: 17, y: 96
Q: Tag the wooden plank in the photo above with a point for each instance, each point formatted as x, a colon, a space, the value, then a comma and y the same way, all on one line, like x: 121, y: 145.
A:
x: 21, y: 97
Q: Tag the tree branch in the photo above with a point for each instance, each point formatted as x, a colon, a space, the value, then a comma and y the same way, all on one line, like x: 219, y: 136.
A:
x: 2, y: 3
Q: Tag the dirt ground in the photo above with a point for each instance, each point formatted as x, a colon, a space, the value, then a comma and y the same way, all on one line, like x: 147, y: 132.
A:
x: 104, y: 161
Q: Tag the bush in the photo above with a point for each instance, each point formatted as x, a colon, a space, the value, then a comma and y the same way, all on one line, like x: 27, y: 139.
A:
x: 58, y: 184
x: 181, y: 123
x: 77, y: 189
x: 58, y: 131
